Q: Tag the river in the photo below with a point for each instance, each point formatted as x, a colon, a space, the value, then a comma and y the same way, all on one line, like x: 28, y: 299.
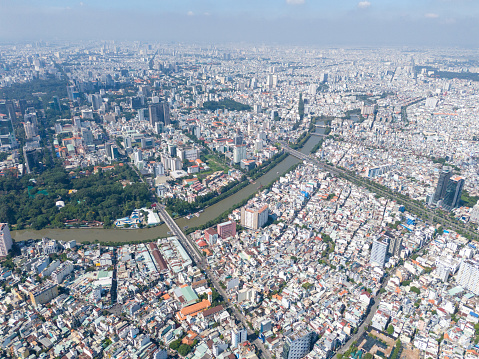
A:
x: 125, y: 235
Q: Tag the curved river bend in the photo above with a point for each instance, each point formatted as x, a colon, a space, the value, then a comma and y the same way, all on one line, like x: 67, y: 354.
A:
x: 125, y: 235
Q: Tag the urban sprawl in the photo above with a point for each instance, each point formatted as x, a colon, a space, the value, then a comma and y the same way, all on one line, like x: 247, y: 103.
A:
x: 363, y: 246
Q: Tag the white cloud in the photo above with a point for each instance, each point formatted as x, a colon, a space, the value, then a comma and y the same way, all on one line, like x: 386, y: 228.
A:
x: 431, y: 15
x: 295, y: 2
x: 364, y: 4
x: 190, y: 13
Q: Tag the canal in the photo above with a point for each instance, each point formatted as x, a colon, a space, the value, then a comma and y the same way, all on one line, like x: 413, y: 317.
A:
x: 125, y: 235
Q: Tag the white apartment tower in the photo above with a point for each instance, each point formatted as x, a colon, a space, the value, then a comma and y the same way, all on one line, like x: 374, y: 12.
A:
x: 238, y: 336
x: 379, y: 252
x: 468, y: 276
x: 5, y: 239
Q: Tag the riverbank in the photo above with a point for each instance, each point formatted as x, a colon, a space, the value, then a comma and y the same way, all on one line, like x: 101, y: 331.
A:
x: 209, y: 214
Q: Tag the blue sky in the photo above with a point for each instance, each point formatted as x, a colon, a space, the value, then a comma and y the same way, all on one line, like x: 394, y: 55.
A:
x: 321, y: 22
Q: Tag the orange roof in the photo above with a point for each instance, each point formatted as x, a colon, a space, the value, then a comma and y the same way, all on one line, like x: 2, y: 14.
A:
x: 193, y: 309
x: 207, y: 251
x: 166, y: 296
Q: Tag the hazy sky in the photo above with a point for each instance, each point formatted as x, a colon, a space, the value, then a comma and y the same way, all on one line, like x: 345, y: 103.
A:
x: 320, y: 22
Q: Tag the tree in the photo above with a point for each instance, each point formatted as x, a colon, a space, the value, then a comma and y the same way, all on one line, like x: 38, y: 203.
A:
x: 390, y: 329
x: 184, y: 349
x: 174, y: 345
x: 415, y: 290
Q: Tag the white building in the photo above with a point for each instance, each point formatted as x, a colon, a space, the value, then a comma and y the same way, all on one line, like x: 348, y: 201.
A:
x: 379, y: 252
x: 5, y: 239
x: 298, y: 344
x: 238, y: 336
x: 254, y: 218
x: 475, y: 214
x: 239, y: 153
x: 62, y: 271
x: 468, y: 276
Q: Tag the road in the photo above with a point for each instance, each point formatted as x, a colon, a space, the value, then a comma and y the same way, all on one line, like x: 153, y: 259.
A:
x: 194, y: 252
x: 410, y: 205
x: 366, y: 322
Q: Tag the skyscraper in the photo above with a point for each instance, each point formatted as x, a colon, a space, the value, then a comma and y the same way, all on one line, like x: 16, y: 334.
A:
x: 33, y: 155
x: 452, y: 197
x: 379, y: 252
x: 444, y: 177
x: 239, y: 153
x: 5, y: 239
x: 159, y: 112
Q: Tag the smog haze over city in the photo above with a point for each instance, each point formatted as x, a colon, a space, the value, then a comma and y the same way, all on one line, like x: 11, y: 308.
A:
x: 313, y: 22
x: 274, y: 179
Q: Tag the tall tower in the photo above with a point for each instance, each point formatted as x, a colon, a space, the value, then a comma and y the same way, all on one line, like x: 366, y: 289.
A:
x: 452, y: 197
x: 441, y: 187
x: 5, y: 239
x: 379, y: 252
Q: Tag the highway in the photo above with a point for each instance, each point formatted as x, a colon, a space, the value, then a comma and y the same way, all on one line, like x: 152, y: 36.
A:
x: 194, y: 252
x: 411, y: 206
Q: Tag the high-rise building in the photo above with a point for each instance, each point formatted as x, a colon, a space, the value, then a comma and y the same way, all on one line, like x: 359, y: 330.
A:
x: 32, y: 154
x: 96, y: 101
x: 159, y: 112
x: 238, y: 336
x: 136, y: 102
x: 87, y: 136
x: 475, y: 214
x: 11, y: 110
x: 468, y: 276
x: 379, y: 252
x: 269, y: 81
x: 238, y: 140
x: 159, y: 169
x: 30, y: 130
x: 189, y: 154
x: 226, y: 229
x: 239, y: 153
x: 172, y: 150
x: 395, y: 242
x: 7, y: 135
x: 298, y: 344
x: 443, y: 269
x: 253, y: 217
x: 452, y: 197
x: 5, y: 239
x: 441, y: 187
x: 138, y: 157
